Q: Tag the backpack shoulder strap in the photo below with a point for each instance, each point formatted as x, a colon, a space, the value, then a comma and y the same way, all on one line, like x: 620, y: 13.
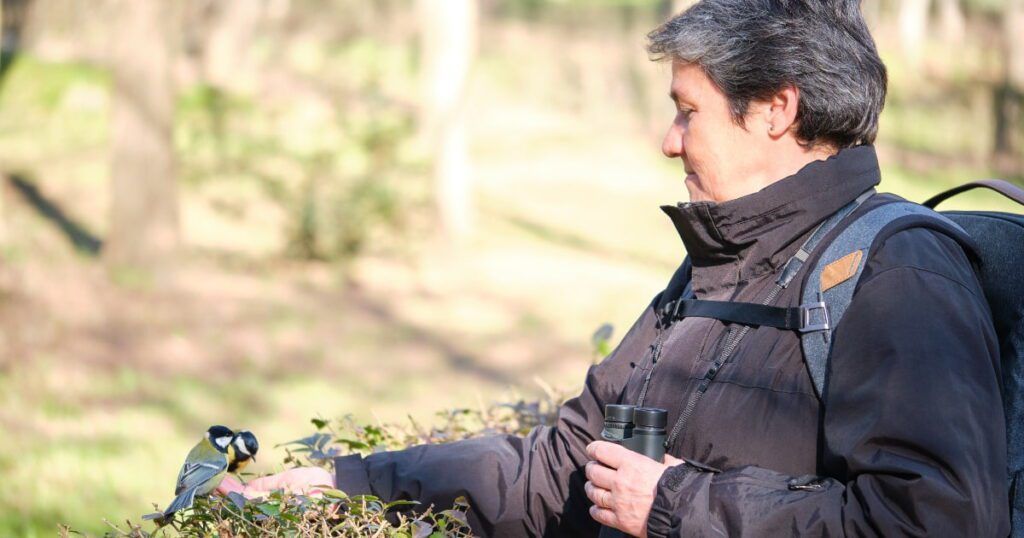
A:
x: 829, y: 286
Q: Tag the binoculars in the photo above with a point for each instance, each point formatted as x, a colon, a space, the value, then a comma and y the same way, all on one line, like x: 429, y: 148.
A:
x: 640, y: 429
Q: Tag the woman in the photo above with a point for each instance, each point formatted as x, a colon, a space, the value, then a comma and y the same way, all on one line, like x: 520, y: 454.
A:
x: 777, y: 107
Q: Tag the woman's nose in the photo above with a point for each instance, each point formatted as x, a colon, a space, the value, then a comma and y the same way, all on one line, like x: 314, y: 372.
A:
x: 672, y: 144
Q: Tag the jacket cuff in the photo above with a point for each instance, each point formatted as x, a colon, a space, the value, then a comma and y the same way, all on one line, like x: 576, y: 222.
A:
x: 682, y: 492
x: 350, y: 475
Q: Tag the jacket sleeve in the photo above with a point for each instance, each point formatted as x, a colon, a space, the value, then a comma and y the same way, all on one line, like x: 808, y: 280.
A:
x: 913, y: 435
x: 516, y: 486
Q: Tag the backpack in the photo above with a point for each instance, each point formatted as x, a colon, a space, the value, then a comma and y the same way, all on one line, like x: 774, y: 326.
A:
x: 998, y: 239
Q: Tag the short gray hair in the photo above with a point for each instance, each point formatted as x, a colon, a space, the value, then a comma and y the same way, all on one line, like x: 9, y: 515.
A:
x: 751, y: 49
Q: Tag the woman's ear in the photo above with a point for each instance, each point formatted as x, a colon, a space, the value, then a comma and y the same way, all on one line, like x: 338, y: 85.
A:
x: 780, y: 114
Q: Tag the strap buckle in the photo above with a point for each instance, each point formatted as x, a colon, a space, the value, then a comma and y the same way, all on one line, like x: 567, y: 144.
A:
x: 667, y: 313
x: 809, y: 322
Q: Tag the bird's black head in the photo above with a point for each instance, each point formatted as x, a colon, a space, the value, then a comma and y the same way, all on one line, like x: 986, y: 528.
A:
x: 220, y: 437
x: 243, y: 450
x: 246, y: 444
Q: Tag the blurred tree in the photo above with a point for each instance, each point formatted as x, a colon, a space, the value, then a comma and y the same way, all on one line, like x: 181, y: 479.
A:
x: 12, y: 23
x: 1014, y: 30
x: 227, y: 58
x: 449, y: 34
x: 913, y: 23
x: 1009, y: 101
x: 952, y: 22
x: 144, y: 198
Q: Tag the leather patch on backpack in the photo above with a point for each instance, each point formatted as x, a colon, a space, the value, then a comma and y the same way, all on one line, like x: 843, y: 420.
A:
x: 840, y: 270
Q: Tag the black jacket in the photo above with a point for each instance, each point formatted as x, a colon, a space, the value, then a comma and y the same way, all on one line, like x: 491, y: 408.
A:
x: 909, y: 438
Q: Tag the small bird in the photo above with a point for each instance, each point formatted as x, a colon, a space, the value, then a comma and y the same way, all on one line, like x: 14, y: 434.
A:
x: 242, y: 450
x: 202, y: 472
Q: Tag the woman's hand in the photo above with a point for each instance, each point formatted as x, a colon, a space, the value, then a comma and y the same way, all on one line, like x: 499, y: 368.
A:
x: 621, y: 484
x: 301, y: 480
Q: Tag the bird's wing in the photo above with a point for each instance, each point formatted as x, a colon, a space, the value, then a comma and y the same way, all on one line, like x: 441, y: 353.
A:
x: 195, y: 474
x: 198, y: 453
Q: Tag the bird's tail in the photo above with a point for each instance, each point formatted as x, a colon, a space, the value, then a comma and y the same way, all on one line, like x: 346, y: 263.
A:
x: 181, y: 502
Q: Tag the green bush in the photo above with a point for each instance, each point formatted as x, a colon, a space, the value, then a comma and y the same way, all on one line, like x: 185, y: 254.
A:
x: 331, y: 159
x: 335, y: 513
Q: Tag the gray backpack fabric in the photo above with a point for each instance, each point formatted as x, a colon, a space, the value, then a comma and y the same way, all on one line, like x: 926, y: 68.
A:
x: 999, y: 243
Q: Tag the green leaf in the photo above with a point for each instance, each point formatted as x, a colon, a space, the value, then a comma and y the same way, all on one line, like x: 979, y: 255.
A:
x: 396, y: 504
x: 334, y: 493
x: 270, y: 509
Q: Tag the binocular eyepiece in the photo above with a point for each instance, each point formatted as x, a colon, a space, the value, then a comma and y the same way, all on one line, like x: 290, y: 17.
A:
x: 640, y: 429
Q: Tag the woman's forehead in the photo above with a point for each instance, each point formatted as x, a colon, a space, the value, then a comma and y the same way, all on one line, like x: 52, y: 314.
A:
x: 689, y: 82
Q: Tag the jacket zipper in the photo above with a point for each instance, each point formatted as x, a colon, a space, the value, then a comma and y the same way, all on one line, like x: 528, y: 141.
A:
x: 732, y: 341
x: 659, y: 342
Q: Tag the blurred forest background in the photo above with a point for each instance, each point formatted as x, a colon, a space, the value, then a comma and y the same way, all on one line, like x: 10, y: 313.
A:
x: 251, y: 212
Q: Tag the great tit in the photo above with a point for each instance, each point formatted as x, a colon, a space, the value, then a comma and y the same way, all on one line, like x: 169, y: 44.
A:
x: 242, y: 450
x: 202, y: 472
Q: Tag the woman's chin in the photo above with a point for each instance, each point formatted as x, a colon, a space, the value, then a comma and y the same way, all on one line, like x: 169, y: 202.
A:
x: 696, y: 190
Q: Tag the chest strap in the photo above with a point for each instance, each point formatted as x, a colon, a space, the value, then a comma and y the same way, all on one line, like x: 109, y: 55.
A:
x: 808, y: 317
x: 803, y: 318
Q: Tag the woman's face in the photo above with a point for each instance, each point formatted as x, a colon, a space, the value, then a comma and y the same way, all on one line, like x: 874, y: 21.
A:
x: 722, y: 160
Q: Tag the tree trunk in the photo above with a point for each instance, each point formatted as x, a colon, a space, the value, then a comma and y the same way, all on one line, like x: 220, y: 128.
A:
x: 913, y: 21
x: 1014, y: 32
x: 449, y: 33
x: 12, y: 24
x: 144, y: 205
x: 228, y: 60
x: 1009, y: 96
x: 953, y: 24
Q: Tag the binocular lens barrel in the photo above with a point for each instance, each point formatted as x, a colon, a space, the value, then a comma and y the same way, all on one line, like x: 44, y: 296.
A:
x: 650, y: 417
x: 618, y: 423
x: 649, y: 432
x: 619, y: 413
x: 640, y: 429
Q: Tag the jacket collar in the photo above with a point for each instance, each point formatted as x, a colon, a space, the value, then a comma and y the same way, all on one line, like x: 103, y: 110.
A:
x: 733, y: 242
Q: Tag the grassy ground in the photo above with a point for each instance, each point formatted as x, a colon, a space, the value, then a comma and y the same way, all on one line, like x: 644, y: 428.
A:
x: 106, y: 380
